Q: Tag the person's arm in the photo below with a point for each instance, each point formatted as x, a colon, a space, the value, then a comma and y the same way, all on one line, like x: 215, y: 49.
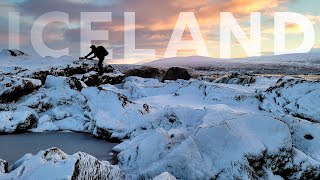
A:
x: 86, y: 57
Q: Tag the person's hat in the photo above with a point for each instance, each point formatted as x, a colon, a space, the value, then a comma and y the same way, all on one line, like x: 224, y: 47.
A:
x: 92, y: 46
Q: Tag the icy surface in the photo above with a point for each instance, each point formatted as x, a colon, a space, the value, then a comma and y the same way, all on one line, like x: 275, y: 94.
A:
x: 16, y: 145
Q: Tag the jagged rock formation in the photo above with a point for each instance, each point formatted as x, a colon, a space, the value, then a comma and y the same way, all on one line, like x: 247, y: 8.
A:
x: 58, y: 165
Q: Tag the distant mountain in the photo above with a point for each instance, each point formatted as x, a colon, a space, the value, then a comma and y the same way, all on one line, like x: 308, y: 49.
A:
x: 13, y: 52
x: 284, y: 64
x: 199, y: 60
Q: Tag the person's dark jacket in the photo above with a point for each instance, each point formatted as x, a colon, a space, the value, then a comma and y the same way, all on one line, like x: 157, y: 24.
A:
x: 100, y: 52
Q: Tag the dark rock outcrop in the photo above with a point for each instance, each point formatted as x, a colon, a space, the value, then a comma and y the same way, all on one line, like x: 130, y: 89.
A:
x: 105, y: 134
x: 14, y: 52
x: 91, y: 79
x: 3, y: 166
x: 77, y: 68
x: 176, y: 73
x: 145, y: 72
x: 94, y: 79
x: 30, y: 122
x: 112, y: 79
x: 74, y: 83
x: 13, y: 88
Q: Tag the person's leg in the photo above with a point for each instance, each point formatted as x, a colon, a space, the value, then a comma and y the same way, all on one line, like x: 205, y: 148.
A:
x: 100, y: 65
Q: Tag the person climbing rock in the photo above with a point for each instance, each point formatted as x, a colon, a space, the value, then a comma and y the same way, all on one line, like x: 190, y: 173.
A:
x: 99, y: 52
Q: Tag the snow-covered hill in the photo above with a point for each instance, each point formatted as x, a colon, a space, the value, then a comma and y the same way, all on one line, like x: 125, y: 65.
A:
x: 282, y: 64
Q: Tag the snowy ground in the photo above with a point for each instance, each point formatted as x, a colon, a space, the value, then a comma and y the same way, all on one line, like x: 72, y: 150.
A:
x: 231, y: 127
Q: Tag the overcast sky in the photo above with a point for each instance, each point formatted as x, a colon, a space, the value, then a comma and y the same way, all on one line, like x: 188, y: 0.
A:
x: 155, y: 21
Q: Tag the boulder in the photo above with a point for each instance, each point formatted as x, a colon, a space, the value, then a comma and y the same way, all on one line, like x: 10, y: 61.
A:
x: 164, y: 176
x: 176, y: 73
x: 145, y: 72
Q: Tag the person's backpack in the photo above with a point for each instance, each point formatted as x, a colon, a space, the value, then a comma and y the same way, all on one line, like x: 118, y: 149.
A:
x: 103, y: 51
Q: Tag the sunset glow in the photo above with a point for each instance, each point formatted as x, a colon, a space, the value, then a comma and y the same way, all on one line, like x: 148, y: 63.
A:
x: 154, y: 23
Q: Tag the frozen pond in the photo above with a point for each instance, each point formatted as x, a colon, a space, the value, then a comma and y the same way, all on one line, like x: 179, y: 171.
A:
x: 13, y: 147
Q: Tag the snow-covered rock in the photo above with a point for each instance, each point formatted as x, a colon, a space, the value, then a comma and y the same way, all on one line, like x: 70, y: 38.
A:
x: 3, y: 166
x: 236, y: 127
x: 55, y: 164
x: 297, y: 97
x: 55, y: 106
x: 13, y: 53
x: 17, y: 121
x: 116, y: 116
x: 74, y: 68
x: 72, y: 82
x: 164, y: 176
x: 236, y: 78
x: 13, y: 88
x: 93, y: 78
x: 228, y: 148
x: 58, y: 106
x: 304, y: 167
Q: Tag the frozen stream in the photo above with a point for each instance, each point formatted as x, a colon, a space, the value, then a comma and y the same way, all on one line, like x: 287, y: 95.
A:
x: 13, y: 147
